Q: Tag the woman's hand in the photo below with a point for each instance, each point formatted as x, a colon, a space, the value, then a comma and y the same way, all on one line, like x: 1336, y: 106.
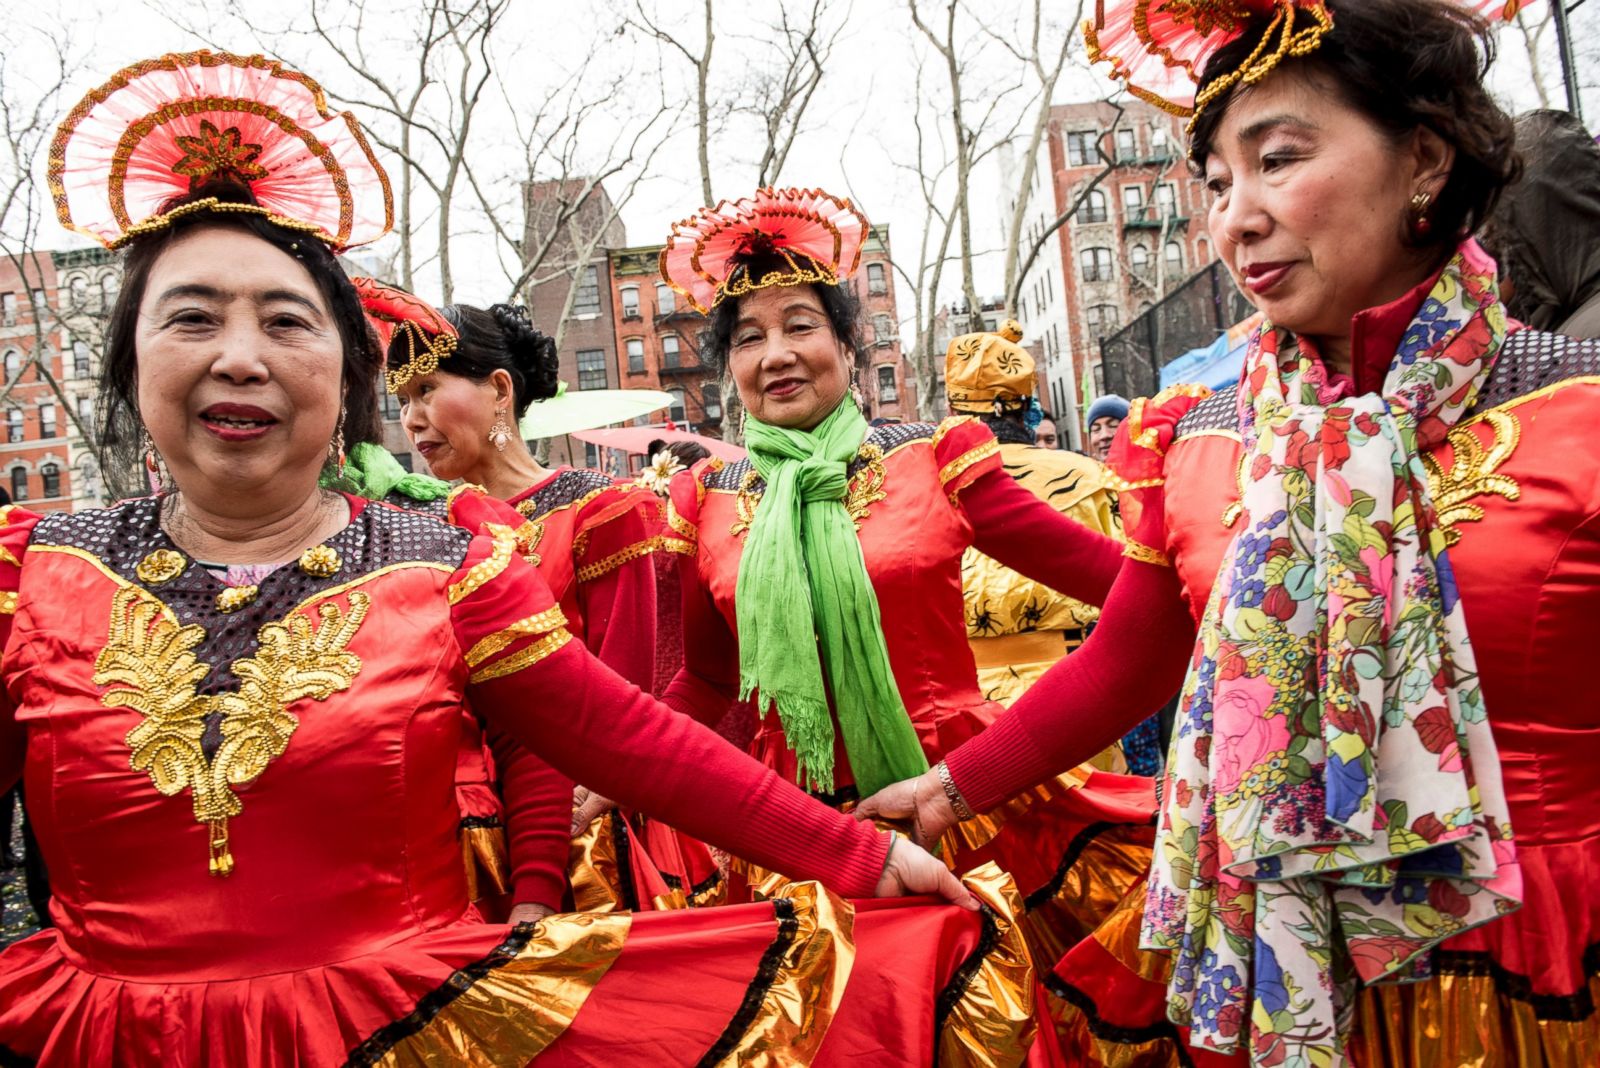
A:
x: 529, y: 912
x: 587, y: 806
x: 919, y: 803
x: 911, y: 870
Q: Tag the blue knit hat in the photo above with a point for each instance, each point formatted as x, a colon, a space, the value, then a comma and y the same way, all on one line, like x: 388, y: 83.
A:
x: 1108, y: 405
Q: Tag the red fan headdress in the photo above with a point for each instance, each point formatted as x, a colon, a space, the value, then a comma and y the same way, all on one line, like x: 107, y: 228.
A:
x: 167, y: 127
x: 817, y: 237
x: 393, y: 313
x: 1160, y: 47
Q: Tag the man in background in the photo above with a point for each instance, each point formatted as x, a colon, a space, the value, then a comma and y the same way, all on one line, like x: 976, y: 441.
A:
x: 1102, y: 420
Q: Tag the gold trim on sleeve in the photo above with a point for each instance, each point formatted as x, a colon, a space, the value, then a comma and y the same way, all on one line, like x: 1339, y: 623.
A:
x: 524, y: 657
x: 505, y: 545
x: 955, y: 468
x: 550, y: 619
x: 1144, y: 554
x: 590, y: 572
x: 8, y: 603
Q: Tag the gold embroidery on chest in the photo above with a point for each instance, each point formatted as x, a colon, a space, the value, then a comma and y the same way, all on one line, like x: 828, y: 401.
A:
x: 1474, y: 472
x: 864, y: 490
x: 149, y: 665
x: 529, y: 534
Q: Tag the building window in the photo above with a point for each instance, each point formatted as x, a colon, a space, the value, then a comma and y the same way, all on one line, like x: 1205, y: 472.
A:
x: 887, y: 392
x: 19, y: 483
x: 47, y: 422
x: 86, y: 415
x: 1096, y: 264
x: 80, y: 360
x: 1139, y: 260
x: 882, y: 329
x: 630, y: 302
x: 1127, y: 146
x: 110, y: 284
x: 1174, y: 256
x: 14, y: 425
x: 1102, y: 320
x: 8, y: 309
x: 711, y: 397
x: 669, y: 351
x: 13, y: 365
x: 877, y: 281
x: 675, y: 411
x: 51, y: 474
x: 1080, y: 148
x: 666, y: 299
x: 1133, y: 203
x: 635, y: 347
x: 1093, y: 209
x: 40, y: 304
x: 591, y: 369
x: 79, y: 289
x: 391, y: 405
x: 1167, y: 200
x: 587, y: 299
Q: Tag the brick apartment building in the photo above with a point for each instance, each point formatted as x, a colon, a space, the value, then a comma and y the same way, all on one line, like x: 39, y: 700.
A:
x: 58, y: 300
x: 1137, y: 235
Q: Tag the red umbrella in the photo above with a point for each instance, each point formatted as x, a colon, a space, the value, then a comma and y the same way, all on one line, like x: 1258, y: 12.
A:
x: 637, y: 439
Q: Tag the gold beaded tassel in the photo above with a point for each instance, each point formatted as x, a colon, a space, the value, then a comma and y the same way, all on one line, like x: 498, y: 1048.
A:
x: 221, y: 856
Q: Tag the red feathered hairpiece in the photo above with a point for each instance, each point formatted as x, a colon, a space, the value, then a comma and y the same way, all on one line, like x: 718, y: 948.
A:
x: 1160, y: 47
x: 429, y: 334
x: 165, y: 128
x: 817, y: 235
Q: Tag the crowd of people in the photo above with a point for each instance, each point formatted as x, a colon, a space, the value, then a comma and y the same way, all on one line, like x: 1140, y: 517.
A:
x: 1253, y: 734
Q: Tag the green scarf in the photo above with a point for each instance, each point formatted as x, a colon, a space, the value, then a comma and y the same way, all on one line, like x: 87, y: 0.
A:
x: 801, y: 528
x: 370, y: 472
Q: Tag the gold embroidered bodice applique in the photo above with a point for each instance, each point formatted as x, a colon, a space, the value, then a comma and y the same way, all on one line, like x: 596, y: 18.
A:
x: 149, y: 665
x: 1474, y: 471
x: 864, y: 490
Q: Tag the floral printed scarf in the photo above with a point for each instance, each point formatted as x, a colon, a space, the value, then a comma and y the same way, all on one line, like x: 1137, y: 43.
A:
x: 1332, y: 807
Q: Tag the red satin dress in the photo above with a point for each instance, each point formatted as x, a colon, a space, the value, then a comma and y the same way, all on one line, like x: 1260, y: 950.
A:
x: 1517, y: 487
x: 920, y: 495
x: 244, y: 796
x: 593, y: 541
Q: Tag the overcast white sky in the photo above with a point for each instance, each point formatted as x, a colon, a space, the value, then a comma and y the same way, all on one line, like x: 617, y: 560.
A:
x: 857, y: 139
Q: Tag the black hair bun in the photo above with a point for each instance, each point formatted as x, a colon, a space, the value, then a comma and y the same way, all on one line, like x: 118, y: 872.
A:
x: 533, y: 355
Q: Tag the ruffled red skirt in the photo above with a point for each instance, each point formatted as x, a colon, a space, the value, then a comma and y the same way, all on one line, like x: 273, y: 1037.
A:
x: 804, y: 979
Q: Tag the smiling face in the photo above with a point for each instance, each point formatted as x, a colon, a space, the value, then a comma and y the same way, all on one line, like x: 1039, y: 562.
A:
x: 240, y: 366
x: 1309, y: 205
x: 790, y: 368
x: 447, y: 417
x: 1102, y: 432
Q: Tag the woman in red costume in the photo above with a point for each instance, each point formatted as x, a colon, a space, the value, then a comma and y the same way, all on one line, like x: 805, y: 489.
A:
x: 237, y: 703
x: 465, y: 378
x: 1386, y: 534
x: 847, y: 540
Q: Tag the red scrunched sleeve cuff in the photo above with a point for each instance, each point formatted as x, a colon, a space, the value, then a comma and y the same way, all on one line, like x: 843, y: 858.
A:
x: 965, y: 450
x: 1138, y: 463
x: 16, y: 529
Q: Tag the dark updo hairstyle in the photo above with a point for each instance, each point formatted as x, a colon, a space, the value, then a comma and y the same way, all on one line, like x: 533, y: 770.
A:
x: 499, y: 339
x: 121, y: 427
x: 1403, y: 64
x: 839, y: 302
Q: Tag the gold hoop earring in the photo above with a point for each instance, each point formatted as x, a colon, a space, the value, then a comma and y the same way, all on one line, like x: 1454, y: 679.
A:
x: 500, y: 432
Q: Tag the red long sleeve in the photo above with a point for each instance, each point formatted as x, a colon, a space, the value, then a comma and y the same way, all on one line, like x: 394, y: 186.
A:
x: 618, y: 609
x: 1024, y: 533
x: 607, y: 734
x: 16, y: 529
x: 708, y: 682
x: 1134, y: 661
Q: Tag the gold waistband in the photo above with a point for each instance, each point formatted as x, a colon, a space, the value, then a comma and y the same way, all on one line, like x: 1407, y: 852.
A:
x: 1040, y: 646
